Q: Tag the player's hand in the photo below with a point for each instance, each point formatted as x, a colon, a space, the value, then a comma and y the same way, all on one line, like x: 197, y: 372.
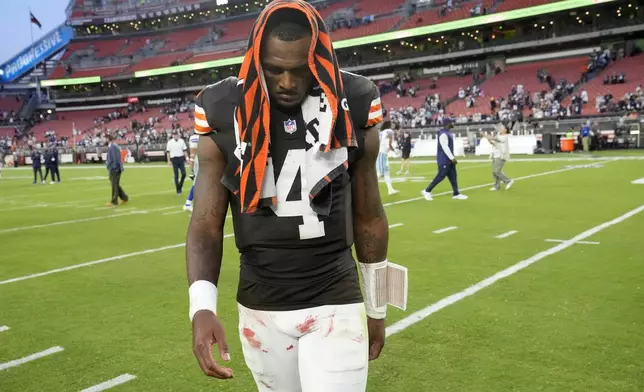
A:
x: 454, y: 161
x: 169, y: 164
x: 206, y: 331
x: 376, y: 337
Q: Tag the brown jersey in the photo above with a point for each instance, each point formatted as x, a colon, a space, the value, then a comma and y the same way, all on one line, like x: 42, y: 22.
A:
x: 291, y: 256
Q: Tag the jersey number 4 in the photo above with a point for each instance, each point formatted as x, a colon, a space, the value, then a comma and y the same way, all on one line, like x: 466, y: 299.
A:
x: 311, y: 226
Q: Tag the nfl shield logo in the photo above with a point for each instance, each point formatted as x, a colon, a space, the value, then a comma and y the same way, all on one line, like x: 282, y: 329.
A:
x: 290, y: 126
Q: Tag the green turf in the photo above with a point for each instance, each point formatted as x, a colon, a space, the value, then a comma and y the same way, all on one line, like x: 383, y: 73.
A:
x: 573, y: 321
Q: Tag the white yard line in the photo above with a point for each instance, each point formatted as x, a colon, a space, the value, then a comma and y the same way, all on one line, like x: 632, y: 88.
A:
x: 396, y: 225
x: 445, y: 230
x: 29, y: 207
x: 174, y: 212
x: 29, y: 358
x: 95, y: 262
x: 579, y: 242
x: 468, y: 167
x: 422, y: 314
x: 74, y: 203
x: 507, y: 234
x: 122, y: 379
x: 60, y: 223
x: 3, y: 328
x: 130, y: 211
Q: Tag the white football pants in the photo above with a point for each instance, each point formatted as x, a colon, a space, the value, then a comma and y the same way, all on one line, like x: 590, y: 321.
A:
x: 321, y: 349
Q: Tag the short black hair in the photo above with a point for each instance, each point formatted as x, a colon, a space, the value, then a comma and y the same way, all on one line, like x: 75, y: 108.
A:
x: 386, y: 124
x: 288, y: 25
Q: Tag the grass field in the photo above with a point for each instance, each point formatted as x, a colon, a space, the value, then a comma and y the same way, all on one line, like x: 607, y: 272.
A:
x: 568, y: 316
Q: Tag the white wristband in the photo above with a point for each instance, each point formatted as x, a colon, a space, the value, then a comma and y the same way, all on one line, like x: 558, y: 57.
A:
x: 374, y: 287
x: 203, y: 296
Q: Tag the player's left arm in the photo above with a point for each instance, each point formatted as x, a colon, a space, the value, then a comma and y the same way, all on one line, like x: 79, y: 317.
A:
x: 371, y: 236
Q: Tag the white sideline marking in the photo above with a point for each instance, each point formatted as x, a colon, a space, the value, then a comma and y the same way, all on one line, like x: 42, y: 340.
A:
x: 71, y: 267
x: 638, y: 182
x: 3, y: 328
x: 396, y: 225
x: 29, y: 358
x: 445, y: 230
x: 130, y: 212
x: 422, y: 314
x: 111, y: 207
x: 579, y: 242
x: 90, y: 263
x: 122, y: 379
x: 37, y: 205
x: 20, y: 228
x: 173, y: 212
x: 506, y: 235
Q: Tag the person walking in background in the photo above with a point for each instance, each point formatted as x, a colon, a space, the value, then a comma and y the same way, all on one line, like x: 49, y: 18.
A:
x: 585, y: 137
x: 49, y: 164
x: 194, y: 170
x: 500, y: 155
x: 55, y: 173
x: 36, y: 164
x: 115, y: 168
x: 446, y: 163
x: 405, y: 166
x: 176, y: 151
x: 386, y: 145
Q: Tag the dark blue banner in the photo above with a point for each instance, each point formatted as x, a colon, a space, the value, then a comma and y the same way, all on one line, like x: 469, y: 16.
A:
x: 41, y: 50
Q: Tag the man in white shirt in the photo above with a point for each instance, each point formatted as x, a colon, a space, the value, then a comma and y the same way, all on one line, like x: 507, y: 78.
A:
x: 386, y: 145
x: 500, y: 155
x: 177, y: 153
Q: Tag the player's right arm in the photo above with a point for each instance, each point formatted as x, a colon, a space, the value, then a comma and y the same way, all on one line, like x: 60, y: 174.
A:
x: 203, y: 258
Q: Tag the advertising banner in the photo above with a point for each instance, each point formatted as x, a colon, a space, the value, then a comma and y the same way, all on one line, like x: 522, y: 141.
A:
x: 34, y: 54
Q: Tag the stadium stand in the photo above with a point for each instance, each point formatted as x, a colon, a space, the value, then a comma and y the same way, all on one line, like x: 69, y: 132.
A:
x: 10, y: 103
x: 631, y: 67
x: 417, y: 106
x: 385, y: 14
x: 500, y: 85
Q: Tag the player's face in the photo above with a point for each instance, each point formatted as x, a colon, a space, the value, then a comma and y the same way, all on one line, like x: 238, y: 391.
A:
x: 286, y: 70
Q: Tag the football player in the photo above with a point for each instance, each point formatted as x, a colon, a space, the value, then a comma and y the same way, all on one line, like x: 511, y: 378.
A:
x: 298, y: 203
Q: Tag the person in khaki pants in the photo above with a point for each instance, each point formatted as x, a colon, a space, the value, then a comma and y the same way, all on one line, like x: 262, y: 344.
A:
x: 115, y: 168
x: 500, y: 155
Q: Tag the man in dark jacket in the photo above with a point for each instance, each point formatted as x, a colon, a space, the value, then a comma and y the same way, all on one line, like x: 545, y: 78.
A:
x: 51, y: 165
x: 36, y: 164
x: 115, y: 168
